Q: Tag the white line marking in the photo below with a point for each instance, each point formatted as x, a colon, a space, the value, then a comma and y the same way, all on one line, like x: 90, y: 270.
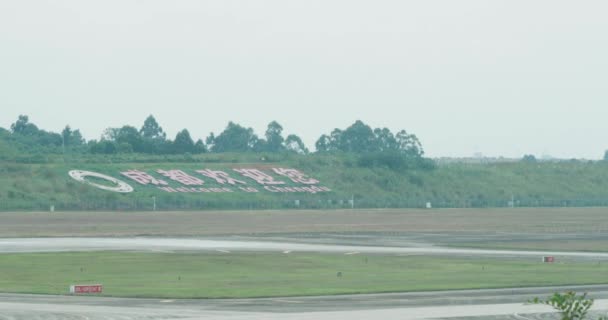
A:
x: 224, y: 251
x: 351, y: 253
x: 288, y: 301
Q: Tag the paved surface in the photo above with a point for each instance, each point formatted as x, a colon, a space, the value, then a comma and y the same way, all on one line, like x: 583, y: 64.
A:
x: 167, y: 244
x: 465, y: 304
x: 503, y: 304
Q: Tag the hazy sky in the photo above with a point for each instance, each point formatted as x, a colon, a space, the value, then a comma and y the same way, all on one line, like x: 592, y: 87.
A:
x: 497, y: 77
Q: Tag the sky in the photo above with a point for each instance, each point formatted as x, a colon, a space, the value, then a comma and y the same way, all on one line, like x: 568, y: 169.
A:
x: 500, y: 78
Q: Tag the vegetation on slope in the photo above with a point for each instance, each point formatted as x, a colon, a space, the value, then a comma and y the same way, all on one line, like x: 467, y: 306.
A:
x: 574, y: 183
x: 376, y: 168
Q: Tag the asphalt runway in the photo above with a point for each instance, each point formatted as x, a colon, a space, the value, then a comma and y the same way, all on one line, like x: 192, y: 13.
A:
x: 499, y: 304
x: 173, y: 244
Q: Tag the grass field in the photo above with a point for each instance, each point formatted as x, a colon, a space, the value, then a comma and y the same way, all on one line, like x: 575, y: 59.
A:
x: 238, y: 275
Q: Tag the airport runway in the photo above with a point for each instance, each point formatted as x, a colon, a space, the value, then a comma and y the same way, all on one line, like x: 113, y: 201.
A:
x: 496, y: 304
x: 176, y: 244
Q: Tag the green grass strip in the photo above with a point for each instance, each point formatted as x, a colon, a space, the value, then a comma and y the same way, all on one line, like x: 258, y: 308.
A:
x: 240, y: 275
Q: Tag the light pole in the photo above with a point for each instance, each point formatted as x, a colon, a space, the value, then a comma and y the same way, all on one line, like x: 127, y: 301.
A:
x: 153, y: 203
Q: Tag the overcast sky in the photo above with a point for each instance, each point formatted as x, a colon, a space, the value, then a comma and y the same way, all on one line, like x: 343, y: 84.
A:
x: 494, y: 77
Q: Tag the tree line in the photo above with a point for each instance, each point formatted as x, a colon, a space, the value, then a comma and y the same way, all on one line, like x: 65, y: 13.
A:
x: 359, y: 138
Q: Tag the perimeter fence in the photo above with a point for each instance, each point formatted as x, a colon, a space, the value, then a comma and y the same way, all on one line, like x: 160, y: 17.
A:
x: 149, y: 204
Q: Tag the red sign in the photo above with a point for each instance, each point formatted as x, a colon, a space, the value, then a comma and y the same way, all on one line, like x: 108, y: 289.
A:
x: 549, y: 259
x: 91, y: 288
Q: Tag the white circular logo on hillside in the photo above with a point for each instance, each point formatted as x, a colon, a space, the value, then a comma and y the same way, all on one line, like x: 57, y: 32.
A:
x: 119, y: 186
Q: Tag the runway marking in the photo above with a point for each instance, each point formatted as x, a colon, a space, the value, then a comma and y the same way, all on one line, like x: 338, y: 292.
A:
x: 351, y: 253
x: 288, y: 301
x: 287, y: 251
x: 99, y: 244
x: 167, y: 301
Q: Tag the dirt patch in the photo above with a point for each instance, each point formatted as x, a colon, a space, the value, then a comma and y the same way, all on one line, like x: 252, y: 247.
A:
x: 549, y: 221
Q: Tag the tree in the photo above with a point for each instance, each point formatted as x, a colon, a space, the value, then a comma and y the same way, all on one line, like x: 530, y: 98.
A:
x: 530, y: 158
x: 323, y: 144
x: 210, y: 140
x: 570, y: 305
x: 46, y: 138
x: 385, y: 139
x: 151, y: 129
x: 29, y: 134
x: 72, y: 138
x: 358, y: 138
x: 200, y: 147
x: 103, y: 147
x: 293, y: 143
x: 125, y: 135
x: 274, y: 138
x: 234, y: 138
x: 409, y: 144
x: 153, y: 137
x: 183, y: 142
x: 23, y: 127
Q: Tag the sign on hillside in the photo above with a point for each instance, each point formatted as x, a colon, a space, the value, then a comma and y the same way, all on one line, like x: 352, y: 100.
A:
x: 249, y: 180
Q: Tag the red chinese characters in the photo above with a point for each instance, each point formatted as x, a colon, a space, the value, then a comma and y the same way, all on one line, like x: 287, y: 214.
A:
x: 181, y: 177
x: 259, y: 176
x: 222, y: 182
x: 83, y: 289
x: 220, y: 177
x: 143, y: 178
x: 295, y: 176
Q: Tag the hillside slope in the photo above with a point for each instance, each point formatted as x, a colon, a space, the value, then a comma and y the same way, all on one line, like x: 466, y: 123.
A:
x: 37, y: 186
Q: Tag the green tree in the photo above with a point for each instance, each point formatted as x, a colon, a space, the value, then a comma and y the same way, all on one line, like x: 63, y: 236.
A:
x: 569, y: 305
x: 23, y: 127
x: 125, y: 135
x: 72, y: 137
x: 234, y: 138
x: 152, y: 130
x: 274, y: 137
x: 102, y: 147
x: 529, y: 158
x: 385, y: 139
x: 293, y: 143
x: 200, y: 147
x: 28, y: 134
x: 323, y: 144
x: 358, y: 138
x: 153, y: 136
x: 409, y: 144
x: 183, y: 142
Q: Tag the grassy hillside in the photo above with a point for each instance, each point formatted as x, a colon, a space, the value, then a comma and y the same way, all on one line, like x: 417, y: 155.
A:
x: 36, y: 186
